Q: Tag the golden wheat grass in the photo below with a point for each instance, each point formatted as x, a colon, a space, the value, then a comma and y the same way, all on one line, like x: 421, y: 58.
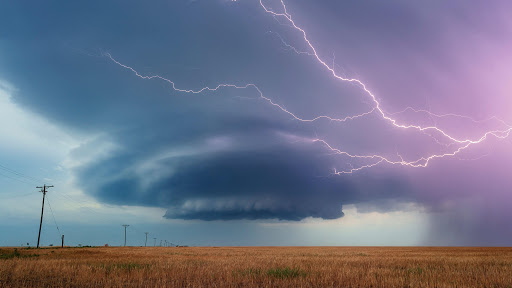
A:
x: 256, y: 267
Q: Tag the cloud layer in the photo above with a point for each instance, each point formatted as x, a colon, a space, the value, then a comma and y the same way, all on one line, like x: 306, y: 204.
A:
x: 228, y: 155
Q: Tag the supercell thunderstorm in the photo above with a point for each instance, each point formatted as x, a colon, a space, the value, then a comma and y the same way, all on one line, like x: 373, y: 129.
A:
x: 449, y: 145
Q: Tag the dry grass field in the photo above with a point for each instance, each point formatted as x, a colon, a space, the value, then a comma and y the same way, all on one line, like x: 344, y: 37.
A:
x: 256, y: 267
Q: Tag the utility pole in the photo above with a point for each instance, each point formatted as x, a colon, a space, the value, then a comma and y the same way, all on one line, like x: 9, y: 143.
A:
x: 160, y: 243
x: 62, y: 242
x: 146, y: 243
x: 43, y: 190
x: 154, y: 244
x: 125, y: 225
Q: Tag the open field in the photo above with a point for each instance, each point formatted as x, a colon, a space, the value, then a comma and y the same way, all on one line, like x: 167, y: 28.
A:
x: 257, y: 267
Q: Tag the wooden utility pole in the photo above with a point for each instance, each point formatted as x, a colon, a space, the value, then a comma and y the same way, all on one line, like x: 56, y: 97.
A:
x: 62, y: 241
x: 125, y: 225
x: 43, y: 190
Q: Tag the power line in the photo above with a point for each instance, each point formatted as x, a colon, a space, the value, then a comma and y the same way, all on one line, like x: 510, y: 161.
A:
x: 16, y: 196
x: 160, y: 236
x: 16, y: 179
x: 5, y: 168
x: 51, y: 210
x: 67, y: 198
x: 83, y: 202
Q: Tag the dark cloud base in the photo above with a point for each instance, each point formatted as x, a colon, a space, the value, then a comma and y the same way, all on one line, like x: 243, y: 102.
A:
x: 281, y: 181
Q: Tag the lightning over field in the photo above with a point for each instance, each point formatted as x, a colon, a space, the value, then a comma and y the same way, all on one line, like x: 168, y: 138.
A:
x: 256, y: 122
x: 502, y: 131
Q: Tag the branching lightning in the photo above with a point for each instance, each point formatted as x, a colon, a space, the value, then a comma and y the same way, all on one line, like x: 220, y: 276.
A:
x: 376, y: 108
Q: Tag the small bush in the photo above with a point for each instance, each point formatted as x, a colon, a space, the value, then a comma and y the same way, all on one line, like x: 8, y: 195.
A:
x: 416, y: 270
x: 16, y: 254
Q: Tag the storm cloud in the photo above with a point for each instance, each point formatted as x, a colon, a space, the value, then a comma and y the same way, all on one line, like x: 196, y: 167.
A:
x: 228, y: 178
x: 228, y: 154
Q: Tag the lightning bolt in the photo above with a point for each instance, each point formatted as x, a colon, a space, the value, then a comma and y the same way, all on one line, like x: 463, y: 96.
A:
x: 376, y: 108
x: 421, y: 162
x: 288, y: 46
x: 434, y: 115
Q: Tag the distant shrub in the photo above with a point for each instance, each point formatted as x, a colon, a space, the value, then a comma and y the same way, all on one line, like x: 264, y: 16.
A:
x: 416, y: 270
x: 16, y: 254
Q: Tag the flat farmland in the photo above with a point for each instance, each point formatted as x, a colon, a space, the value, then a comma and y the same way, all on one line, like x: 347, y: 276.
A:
x: 256, y: 267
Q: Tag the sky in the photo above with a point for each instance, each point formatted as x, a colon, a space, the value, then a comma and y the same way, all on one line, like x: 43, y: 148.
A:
x: 216, y: 122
